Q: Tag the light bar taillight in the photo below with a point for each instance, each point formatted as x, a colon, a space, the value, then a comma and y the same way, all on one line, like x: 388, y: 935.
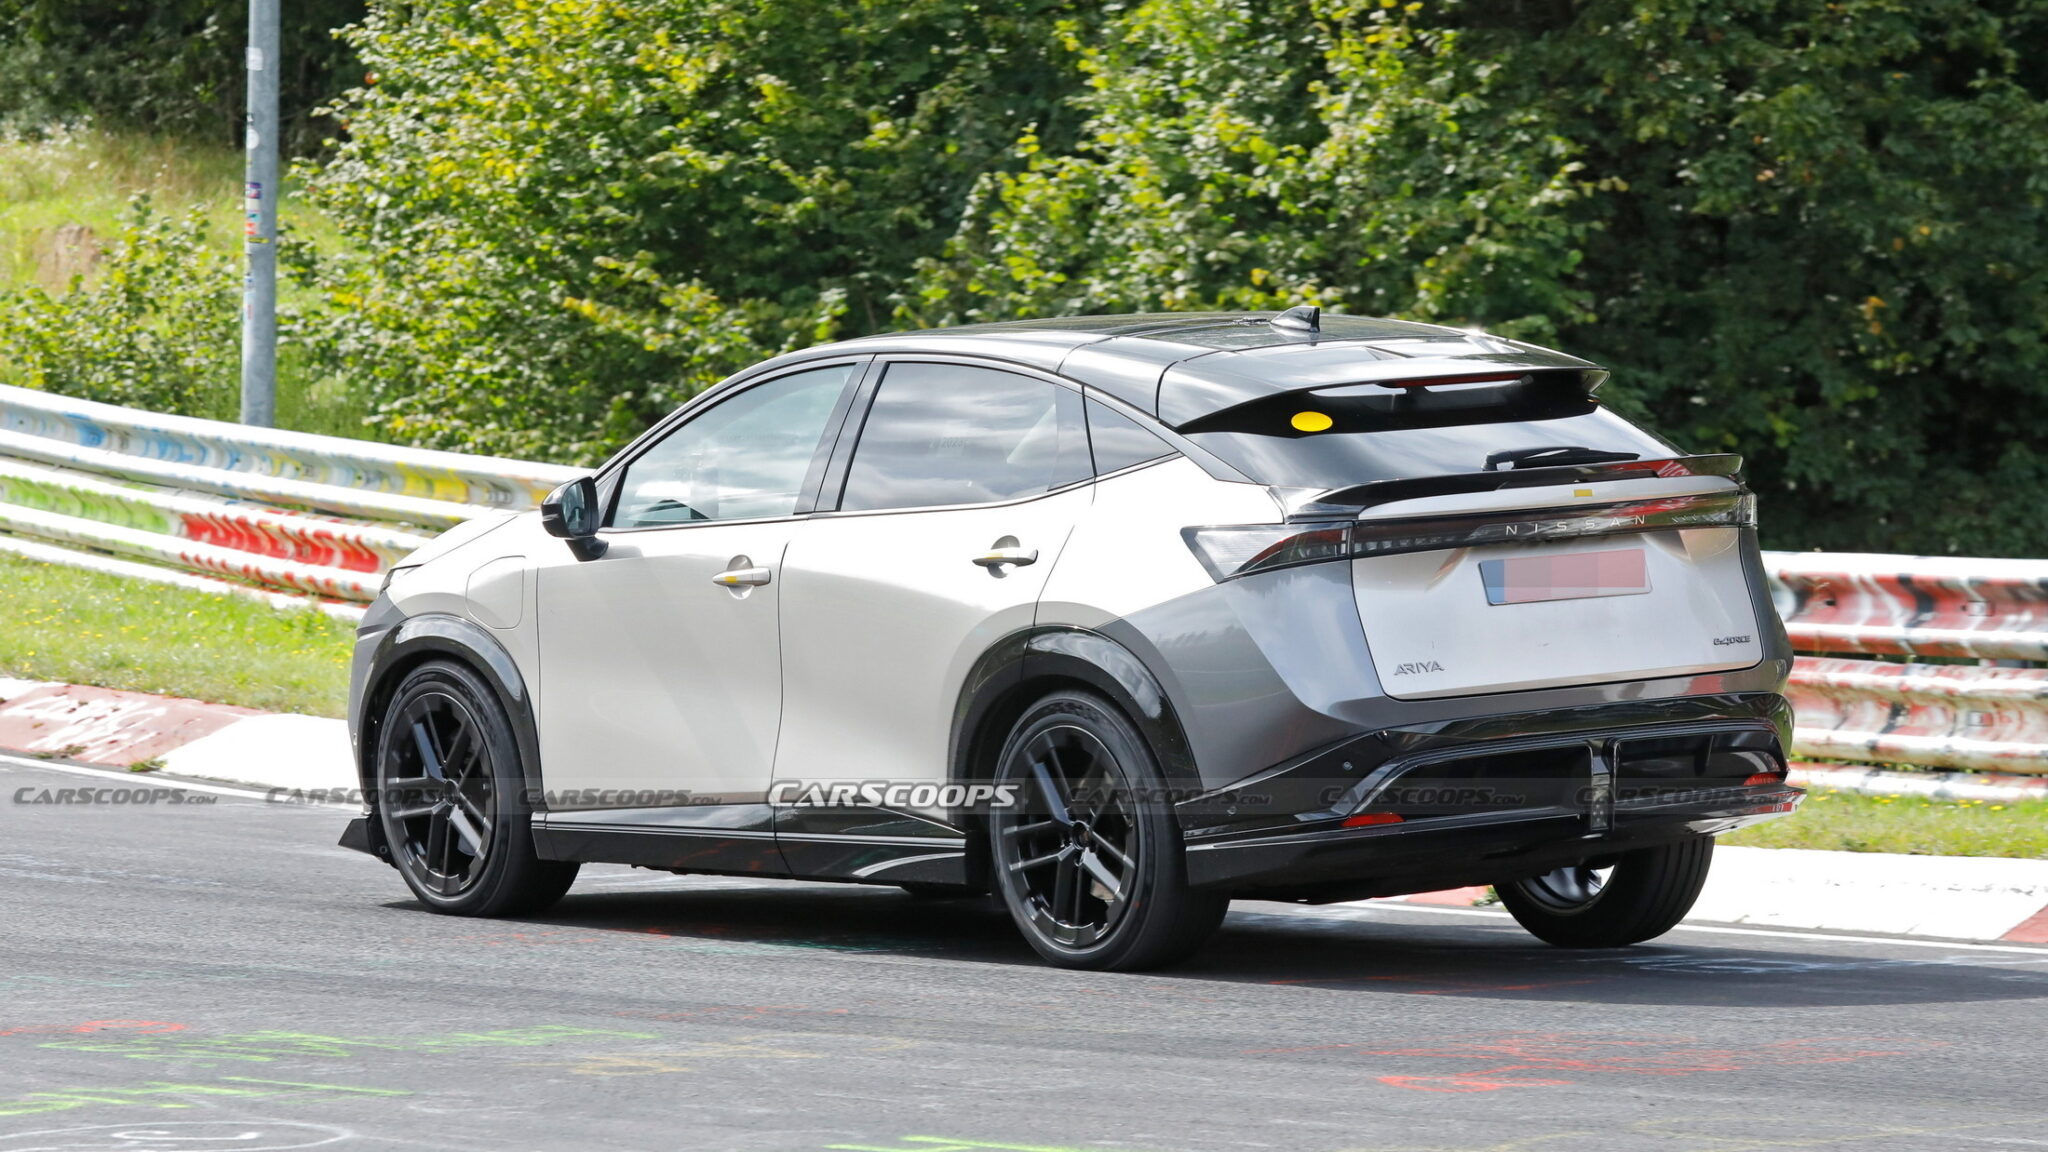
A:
x: 1230, y: 551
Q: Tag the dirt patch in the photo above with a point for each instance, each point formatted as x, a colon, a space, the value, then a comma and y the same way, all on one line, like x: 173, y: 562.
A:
x: 73, y: 250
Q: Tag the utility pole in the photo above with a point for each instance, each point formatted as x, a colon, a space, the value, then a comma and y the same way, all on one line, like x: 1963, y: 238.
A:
x: 259, y: 221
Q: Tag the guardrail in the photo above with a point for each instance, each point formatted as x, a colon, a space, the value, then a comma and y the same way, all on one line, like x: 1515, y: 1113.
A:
x: 324, y: 516
x: 1923, y: 712
x: 268, y: 510
x: 485, y: 481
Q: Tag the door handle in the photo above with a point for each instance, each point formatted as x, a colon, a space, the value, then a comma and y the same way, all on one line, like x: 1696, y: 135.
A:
x: 997, y: 557
x: 742, y: 572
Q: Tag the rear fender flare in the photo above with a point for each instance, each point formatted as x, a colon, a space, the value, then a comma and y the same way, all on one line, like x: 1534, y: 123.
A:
x: 1027, y: 664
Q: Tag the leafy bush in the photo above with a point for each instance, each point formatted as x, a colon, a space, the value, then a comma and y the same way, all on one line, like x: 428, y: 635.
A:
x: 1811, y: 231
x: 169, y: 65
x: 564, y: 219
x: 157, y: 328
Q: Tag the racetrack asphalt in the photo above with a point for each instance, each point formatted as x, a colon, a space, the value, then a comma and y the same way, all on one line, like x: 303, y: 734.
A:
x: 220, y: 975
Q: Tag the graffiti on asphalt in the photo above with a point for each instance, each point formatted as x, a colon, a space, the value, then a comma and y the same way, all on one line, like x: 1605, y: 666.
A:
x: 268, y: 1046
x: 1511, y: 1056
x: 168, y: 1094
x: 140, y: 1026
x: 691, y: 1059
x: 184, y: 1135
x: 945, y: 1144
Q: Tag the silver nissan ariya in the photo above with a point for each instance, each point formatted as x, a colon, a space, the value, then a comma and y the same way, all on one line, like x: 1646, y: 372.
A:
x: 1118, y: 617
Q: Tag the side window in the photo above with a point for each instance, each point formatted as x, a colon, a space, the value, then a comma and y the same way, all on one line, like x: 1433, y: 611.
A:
x: 940, y: 434
x: 742, y: 459
x: 1119, y: 441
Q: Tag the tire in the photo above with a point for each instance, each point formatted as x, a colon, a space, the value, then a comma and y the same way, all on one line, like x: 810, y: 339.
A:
x: 1647, y: 892
x: 450, y: 801
x: 1090, y: 811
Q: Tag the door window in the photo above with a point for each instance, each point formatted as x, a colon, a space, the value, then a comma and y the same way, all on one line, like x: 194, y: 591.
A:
x: 949, y: 434
x: 745, y: 458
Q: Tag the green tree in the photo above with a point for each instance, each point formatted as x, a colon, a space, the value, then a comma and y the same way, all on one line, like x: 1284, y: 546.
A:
x: 563, y: 219
x: 1809, y: 231
x: 153, y: 331
x: 164, y: 65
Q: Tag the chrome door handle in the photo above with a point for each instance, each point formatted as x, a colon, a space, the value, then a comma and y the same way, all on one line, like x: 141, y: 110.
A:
x: 997, y: 557
x: 742, y: 573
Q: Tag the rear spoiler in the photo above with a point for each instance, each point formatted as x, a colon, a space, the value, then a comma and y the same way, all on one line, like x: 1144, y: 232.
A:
x: 1348, y: 502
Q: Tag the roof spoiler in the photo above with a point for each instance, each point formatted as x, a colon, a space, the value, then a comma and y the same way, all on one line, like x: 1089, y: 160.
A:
x: 1348, y: 502
x: 1398, y: 393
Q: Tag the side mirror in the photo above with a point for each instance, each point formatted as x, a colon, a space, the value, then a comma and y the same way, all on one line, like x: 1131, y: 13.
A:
x: 572, y: 512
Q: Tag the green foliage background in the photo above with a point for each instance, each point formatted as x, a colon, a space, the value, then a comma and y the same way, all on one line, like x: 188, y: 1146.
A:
x: 1810, y: 231
x: 171, y: 65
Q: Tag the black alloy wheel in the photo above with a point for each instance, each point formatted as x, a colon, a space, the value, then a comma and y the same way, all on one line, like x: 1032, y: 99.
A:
x: 448, y: 798
x: 1612, y: 902
x: 1088, y: 858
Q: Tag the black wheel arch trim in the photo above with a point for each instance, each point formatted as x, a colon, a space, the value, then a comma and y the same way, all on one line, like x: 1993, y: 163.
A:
x: 439, y: 634
x: 1003, y: 680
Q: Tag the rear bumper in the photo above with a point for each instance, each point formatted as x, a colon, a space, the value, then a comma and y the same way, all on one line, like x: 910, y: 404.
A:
x: 1461, y: 851
x: 1492, y: 799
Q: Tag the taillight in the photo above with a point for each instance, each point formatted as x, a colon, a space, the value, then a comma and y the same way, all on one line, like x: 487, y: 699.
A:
x: 1230, y: 551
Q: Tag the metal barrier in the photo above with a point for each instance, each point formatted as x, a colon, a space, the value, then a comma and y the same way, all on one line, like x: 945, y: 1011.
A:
x: 272, y: 511
x: 321, y: 541
x: 1936, y: 715
x: 486, y: 481
x: 324, y: 517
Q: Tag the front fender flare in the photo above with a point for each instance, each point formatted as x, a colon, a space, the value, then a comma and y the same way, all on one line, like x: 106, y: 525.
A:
x: 437, y: 634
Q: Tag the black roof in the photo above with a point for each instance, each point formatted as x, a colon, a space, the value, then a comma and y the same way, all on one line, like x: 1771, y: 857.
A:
x: 1181, y: 366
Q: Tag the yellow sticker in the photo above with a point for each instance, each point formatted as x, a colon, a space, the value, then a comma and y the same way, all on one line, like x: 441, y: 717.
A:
x: 1582, y: 491
x: 1311, y: 422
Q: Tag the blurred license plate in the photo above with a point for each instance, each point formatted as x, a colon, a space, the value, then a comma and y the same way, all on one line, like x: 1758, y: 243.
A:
x: 1573, y: 576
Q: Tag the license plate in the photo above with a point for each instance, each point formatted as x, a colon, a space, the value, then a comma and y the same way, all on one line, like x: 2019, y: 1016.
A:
x: 1572, y: 576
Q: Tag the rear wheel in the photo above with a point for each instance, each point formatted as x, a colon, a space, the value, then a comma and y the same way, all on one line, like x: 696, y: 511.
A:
x: 1626, y: 899
x: 1089, y: 858
x: 449, y: 799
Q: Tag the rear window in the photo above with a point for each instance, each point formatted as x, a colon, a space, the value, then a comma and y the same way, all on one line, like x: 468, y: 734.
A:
x: 1338, y: 457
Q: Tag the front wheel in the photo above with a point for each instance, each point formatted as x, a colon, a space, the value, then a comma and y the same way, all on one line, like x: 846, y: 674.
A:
x: 1088, y: 857
x: 449, y: 798
x: 1628, y: 899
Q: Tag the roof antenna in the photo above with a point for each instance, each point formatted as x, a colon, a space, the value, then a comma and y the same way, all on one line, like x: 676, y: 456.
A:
x: 1306, y: 318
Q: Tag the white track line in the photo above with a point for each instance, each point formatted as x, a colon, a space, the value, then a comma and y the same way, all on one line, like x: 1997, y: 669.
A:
x: 140, y: 779
x: 1350, y: 912
x: 1777, y: 933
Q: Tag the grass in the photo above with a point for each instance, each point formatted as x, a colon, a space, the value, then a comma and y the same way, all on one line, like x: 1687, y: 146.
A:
x: 63, y: 192
x: 60, y: 623
x: 81, y: 627
x: 1856, y: 822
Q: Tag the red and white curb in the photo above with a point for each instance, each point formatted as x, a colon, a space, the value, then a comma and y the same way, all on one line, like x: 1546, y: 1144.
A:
x: 1991, y: 786
x: 182, y: 737
x: 1949, y: 897
x: 1952, y: 897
